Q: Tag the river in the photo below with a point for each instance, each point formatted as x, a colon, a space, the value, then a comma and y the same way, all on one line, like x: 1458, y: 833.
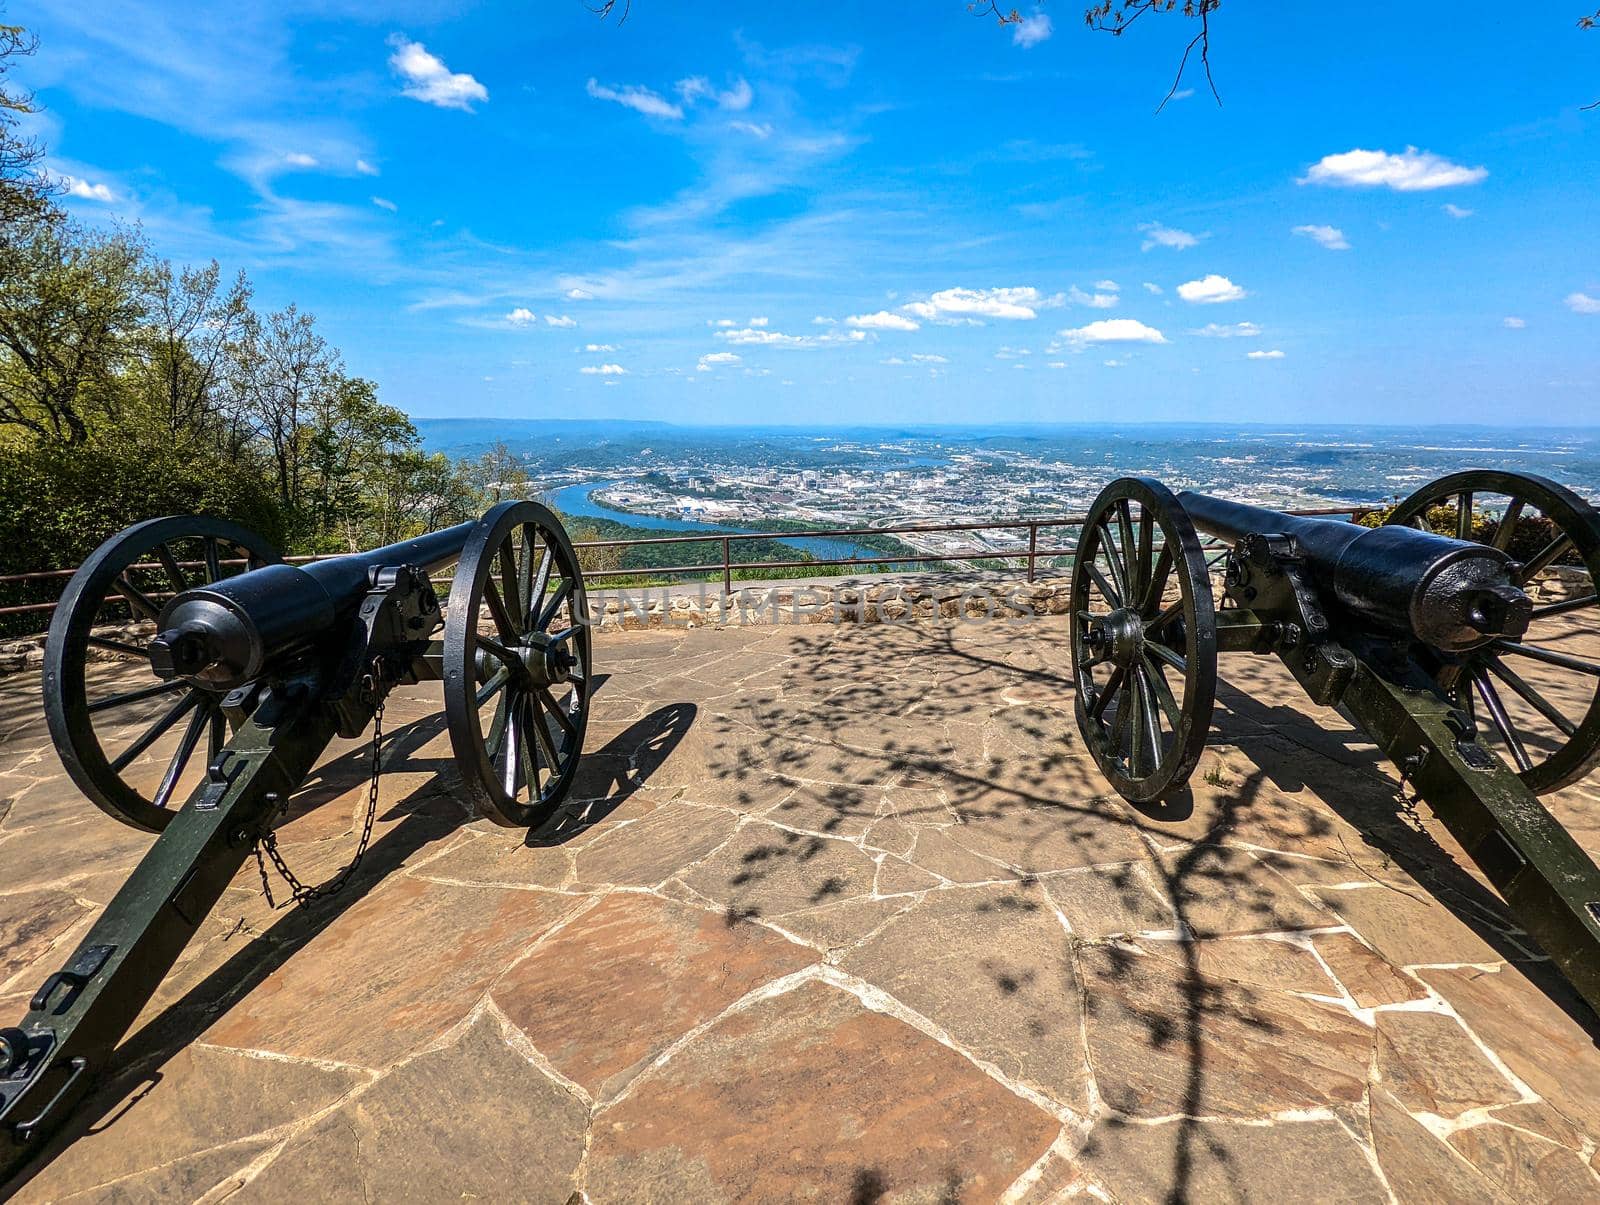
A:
x: 574, y: 500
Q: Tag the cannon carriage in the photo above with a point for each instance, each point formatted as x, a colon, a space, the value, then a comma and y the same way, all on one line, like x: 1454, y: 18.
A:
x: 251, y: 667
x: 1452, y: 651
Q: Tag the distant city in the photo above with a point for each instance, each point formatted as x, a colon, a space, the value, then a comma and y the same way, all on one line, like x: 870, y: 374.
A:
x: 657, y: 475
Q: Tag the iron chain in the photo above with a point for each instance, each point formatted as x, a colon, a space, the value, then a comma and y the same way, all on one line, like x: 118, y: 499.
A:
x: 299, y: 892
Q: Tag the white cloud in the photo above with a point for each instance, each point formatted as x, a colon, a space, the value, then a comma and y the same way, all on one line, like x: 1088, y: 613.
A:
x: 639, y: 99
x: 1157, y: 235
x: 522, y: 316
x: 300, y: 159
x: 1582, y: 303
x: 603, y: 370
x: 1058, y: 363
x: 560, y: 320
x: 600, y: 347
x: 1209, y: 290
x: 754, y: 129
x: 1109, y: 285
x: 1456, y: 211
x: 84, y: 190
x: 928, y: 358
x: 365, y: 168
x: 1028, y: 32
x: 1513, y: 324
x: 819, y: 320
x: 759, y: 321
x: 738, y: 97
x: 1095, y: 301
x: 1153, y: 289
x: 1012, y: 353
x: 883, y: 320
x: 385, y: 203
x: 957, y: 304
x: 1114, y: 330
x: 1115, y: 363
x: 711, y: 360
x: 1330, y: 237
x: 1274, y: 354
x: 579, y: 295
x: 1233, y: 330
x: 1410, y: 171
x: 429, y: 80
x: 755, y: 337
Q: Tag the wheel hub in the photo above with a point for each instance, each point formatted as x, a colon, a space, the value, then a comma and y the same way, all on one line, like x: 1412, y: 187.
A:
x: 1117, y: 637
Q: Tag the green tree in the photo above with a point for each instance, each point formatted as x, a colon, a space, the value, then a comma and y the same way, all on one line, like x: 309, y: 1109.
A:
x: 192, y: 322
x: 24, y: 191
x: 348, y: 440
x: 71, y: 302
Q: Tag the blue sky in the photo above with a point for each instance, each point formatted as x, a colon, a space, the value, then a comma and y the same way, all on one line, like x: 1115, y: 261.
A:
x: 869, y: 213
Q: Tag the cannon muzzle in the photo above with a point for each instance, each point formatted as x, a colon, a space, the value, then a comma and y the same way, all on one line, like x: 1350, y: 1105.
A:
x: 227, y: 633
x: 1445, y: 592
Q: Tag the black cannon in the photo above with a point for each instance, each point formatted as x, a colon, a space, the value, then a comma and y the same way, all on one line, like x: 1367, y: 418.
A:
x: 1437, y: 644
x: 264, y: 663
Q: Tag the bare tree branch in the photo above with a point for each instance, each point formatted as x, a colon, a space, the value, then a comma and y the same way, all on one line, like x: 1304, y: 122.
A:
x: 1116, y: 17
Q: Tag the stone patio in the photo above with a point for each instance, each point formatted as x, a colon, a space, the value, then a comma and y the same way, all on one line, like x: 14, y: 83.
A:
x: 841, y: 913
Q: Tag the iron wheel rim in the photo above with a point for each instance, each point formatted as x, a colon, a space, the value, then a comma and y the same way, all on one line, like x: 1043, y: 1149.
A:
x: 1492, y: 677
x: 69, y: 711
x: 1127, y: 577
x: 519, y: 565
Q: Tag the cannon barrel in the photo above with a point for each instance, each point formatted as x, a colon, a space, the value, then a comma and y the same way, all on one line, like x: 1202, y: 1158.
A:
x: 225, y: 633
x: 1448, y: 593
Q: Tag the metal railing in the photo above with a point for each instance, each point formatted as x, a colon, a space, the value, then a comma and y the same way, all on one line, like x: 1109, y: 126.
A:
x: 1031, y: 552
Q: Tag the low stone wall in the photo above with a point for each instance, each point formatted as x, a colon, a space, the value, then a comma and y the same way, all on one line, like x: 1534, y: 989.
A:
x: 820, y: 601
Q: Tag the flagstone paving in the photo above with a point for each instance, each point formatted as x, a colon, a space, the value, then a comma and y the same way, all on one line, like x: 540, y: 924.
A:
x: 839, y: 913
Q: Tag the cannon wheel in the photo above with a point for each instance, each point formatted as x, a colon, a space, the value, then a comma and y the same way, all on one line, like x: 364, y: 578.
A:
x: 517, y: 664
x: 1144, y: 639
x: 1539, y: 699
x: 102, y: 734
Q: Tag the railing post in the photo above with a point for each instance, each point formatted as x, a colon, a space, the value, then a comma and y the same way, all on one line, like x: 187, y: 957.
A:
x: 727, y: 571
x: 1033, y: 549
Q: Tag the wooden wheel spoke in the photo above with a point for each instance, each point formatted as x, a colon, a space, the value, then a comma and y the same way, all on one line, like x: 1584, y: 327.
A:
x: 1163, y: 692
x: 554, y: 605
x: 1464, y: 516
x: 541, y: 583
x: 507, y: 657
x: 1166, y: 617
x: 170, y: 563
x: 1548, y: 656
x: 213, y: 559
x: 1102, y: 700
x: 1563, y: 608
x: 506, y: 555
x: 497, y: 726
x: 525, y: 754
x: 1546, y: 556
x: 541, y: 734
x: 1163, y: 653
x: 198, y: 723
x: 154, y: 733
x: 1119, y: 726
x: 1531, y: 696
x: 1114, y: 558
x: 493, y: 684
x: 135, y: 696
x: 558, y: 713
x: 1111, y: 594
x: 1506, y: 532
x: 1159, y: 574
x: 1150, y: 721
x: 567, y: 634
x: 1502, y: 721
x: 510, y: 763
x: 142, y: 604
x: 1146, y: 556
x: 118, y: 646
x: 497, y: 611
